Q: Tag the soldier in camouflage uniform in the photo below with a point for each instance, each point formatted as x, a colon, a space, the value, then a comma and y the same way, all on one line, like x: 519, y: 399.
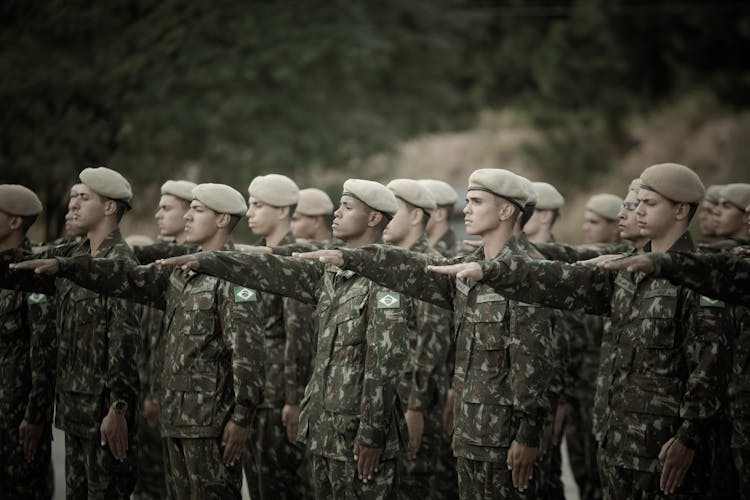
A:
x: 28, y: 346
x: 351, y: 419
x: 670, y: 358
x: 730, y: 211
x: 706, y: 217
x: 97, y: 373
x: 213, y: 373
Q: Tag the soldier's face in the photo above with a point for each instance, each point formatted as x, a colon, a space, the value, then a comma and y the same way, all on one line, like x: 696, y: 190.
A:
x: 706, y: 218
x: 87, y: 209
x: 597, y: 229
x: 71, y: 224
x: 263, y: 218
x: 350, y: 219
x: 534, y: 224
x: 398, y: 228
x: 171, y: 215
x: 303, y: 226
x: 628, y: 223
x: 482, y: 212
x: 655, y: 214
x: 730, y: 220
x: 201, y: 223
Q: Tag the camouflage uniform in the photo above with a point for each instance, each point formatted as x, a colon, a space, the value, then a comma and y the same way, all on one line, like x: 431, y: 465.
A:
x: 499, y: 378
x: 352, y: 396
x: 28, y: 346
x: 666, y: 370
x: 98, y: 341
x: 213, y: 370
x: 447, y: 244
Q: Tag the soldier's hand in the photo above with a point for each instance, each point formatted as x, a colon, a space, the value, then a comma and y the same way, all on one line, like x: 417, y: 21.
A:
x: 367, y: 460
x: 233, y: 441
x: 39, y: 266
x: 189, y: 261
x: 520, y: 461
x: 28, y: 437
x: 151, y: 412
x: 415, y: 424
x: 675, y: 459
x: 601, y: 259
x: 468, y: 270
x: 114, y: 433
x: 290, y: 419
x: 448, y: 411
x: 637, y: 263
x: 252, y: 248
x: 333, y: 257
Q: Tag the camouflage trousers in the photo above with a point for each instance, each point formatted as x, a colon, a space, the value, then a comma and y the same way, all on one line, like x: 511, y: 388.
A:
x: 19, y: 478
x: 337, y: 479
x: 445, y: 482
x: 549, y: 475
x: 479, y: 480
x: 151, y: 482
x: 92, y: 472
x: 742, y: 465
x: 582, y: 446
x: 273, y: 466
x: 197, y: 471
x: 416, y: 476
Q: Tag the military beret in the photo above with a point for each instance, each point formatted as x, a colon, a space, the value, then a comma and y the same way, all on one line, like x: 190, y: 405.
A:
x: 528, y: 189
x: 19, y: 200
x: 673, y: 181
x: 274, y: 189
x: 180, y: 189
x: 502, y: 183
x: 442, y: 192
x: 547, y: 196
x: 373, y: 194
x: 314, y: 201
x: 414, y: 193
x: 108, y: 183
x: 737, y: 194
x: 139, y: 240
x: 635, y: 185
x: 220, y: 198
x: 713, y: 193
x: 605, y: 204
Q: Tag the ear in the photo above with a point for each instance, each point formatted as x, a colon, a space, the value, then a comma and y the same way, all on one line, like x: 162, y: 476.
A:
x: 374, y: 219
x: 222, y: 220
x: 683, y: 209
x: 439, y: 215
x: 284, y: 213
x: 416, y: 216
x: 505, y: 211
x: 15, y: 222
x: 110, y: 207
x: 545, y: 216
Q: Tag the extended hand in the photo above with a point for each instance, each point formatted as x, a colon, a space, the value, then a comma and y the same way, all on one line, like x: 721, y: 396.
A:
x: 675, y: 459
x: 233, y: 441
x: 636, y: 263
x: 600, y: 259
x: 290, y: 419
x: 367, y: 460
x: 28, y: 437
x: 189, y: 261
x: 521, y: 461
x: 39, y: 266
x: 469, y: 270
x: 448, y: 411
x: 415, y: 424
x: 114, y: 432
x: 333, y: 257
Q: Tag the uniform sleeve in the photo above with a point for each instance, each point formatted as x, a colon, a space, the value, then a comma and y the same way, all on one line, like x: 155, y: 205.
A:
x: 23, y: 280
x: 720, y: 276
x: 299, y: 348
x: 566, y: 253
x: 242, y: 327
x: 384, y: 358
x: 403, y: 271
x: 286, y: 276
x: 123, y: 345
x: 433, y: 342
x: 43, y: 351
x: 151, y: 253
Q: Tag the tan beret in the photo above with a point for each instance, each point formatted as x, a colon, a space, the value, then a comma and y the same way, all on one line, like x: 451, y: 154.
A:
x: 442, y: 192
x: 75, y: 189
x: 547, y: 196
x: 673, y: 181
x: 220, y: 198
x: 314, y: 201
x: 19, y: 200
x: 605, y: 204
x: 414, y: 193
x: 180, y: 189
x: 502, y: 183
x: 274, y: 189
x: 713, y: 193
x: 373, y: 194
x: 139, y: 240
x: 635, y: 185
x: 108, y: 183
x: 737, y: 194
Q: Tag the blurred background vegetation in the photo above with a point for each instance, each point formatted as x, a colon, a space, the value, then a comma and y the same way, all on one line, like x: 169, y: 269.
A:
x: 583, y: 93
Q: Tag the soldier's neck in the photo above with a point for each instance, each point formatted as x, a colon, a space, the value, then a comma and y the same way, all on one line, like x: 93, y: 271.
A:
x: 274, y: 238
x: 493, y: 241
x: 437, y: 232
x: 367, y: 238
x: 13, y: 240
x: 98, y: 234
x: 664, y: 242
x: 180, y: 238
x: 541, y: 236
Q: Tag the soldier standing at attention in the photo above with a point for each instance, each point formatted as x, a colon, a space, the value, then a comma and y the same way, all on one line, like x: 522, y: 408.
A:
x: 351, y: 418
x: 500, y: 377
x: 28, y: 347
x: 212, y: 375
x: 706, y: 216
x: 98, y: 338
x: 670, y: 357
x: 730, y: 212
x: 313, y: 216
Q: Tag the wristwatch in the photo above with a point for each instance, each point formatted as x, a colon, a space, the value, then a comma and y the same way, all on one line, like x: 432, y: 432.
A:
x: 120, y: 406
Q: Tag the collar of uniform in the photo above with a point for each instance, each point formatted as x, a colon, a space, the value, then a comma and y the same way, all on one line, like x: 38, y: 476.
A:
x: 109, y: 241
x: 288, y: 239
x: 421, y: 245
x: 683, y: 244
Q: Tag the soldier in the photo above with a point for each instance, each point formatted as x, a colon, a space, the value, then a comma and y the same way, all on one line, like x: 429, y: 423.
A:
x: 97, y: 373
x: 549, y: 201
x: 600, y: 219
x: 313, y: 216
x: 671, y: 356
x: 499, y: 380
x: 351, y: 418
x: 706, y: 216
x: 28, y: 345
x: 438, y: 230
x: 213, y: 371
x: 730, y: 212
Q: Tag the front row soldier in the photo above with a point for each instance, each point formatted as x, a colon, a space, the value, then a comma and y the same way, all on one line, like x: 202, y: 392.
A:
x: 28, y: 347
x: 351, y: 419
x: 213, y: 373
x: 671, y: 353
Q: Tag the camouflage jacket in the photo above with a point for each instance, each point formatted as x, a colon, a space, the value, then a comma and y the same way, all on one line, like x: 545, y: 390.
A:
x: 151, y: 253
x: 28, y: 347
x: 494, y: 402
x: 739, y: 387
x: 213, y: 370
x: 352, y: 396
x: 670, y: 355
x: 98, y: 341
x: 573, y: 253
x: 151, y: 354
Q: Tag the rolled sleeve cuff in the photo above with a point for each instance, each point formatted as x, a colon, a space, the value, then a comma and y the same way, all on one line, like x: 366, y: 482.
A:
x: 688, y: 434
x: 529, y: 432
x: 370, y: 436
x: 242, y: 414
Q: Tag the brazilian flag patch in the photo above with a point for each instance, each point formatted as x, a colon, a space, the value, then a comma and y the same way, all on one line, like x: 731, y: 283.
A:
x: 709, y: 302
x: 242, y: 294
x: 37, y: 298
x: 389, y: 300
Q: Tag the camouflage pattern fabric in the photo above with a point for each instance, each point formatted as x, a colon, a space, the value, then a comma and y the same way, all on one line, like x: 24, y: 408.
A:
x: 482, y: 480
x: 548, y: 475
x: 198, y: 471
x: 742, y: 465
x: 20, y: 479
x: 564, y: 252
x: 338, y: 479
x: 151, y: 253
x: 92, y: 472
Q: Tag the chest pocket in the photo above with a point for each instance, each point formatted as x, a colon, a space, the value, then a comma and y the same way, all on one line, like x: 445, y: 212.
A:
x: 12, y: 314
x: 658, y: 309
x: 199, y: 309
x: 350, y: 327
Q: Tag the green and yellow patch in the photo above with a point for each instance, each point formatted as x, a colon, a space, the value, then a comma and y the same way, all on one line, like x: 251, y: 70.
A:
x: 709, y: 302
x: 242, y: 294
x: 388, y: 300
x: 37, y: 298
